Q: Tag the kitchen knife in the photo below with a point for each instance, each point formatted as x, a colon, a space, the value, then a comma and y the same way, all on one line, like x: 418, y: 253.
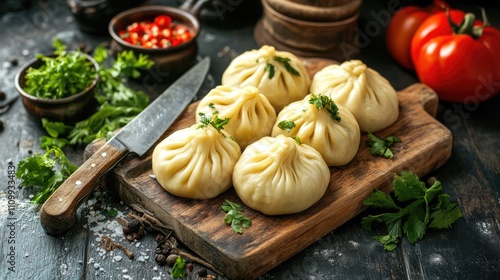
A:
x: 58, y: 213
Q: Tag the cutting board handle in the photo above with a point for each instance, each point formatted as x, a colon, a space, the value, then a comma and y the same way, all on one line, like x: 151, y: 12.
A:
x: 58, y: 213
x: 423, y: 95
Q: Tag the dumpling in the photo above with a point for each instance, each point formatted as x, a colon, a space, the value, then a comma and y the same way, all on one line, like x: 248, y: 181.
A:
x: 252, y: 116
x: 279, y: 75
x: 318, y: 122
x: 277, y: 175
x: 195, y: 162
x: 363, y: 91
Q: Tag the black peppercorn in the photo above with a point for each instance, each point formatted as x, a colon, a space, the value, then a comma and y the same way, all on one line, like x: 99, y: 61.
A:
x: 134, y: 224
x: 202, y: 272
x: 160, y: 259
x: 160, y: 237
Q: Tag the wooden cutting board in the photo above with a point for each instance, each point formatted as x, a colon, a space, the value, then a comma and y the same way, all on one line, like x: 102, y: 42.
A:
x: 426, y: 145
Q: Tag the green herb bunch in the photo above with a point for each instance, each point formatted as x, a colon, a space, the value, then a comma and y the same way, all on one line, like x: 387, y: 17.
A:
x: 44, y: 173
x: 118, y: 105
x: 416, y: 208
x: 62, y: 75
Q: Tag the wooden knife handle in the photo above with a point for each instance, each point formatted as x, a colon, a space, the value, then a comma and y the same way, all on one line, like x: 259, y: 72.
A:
x: 58, y: 213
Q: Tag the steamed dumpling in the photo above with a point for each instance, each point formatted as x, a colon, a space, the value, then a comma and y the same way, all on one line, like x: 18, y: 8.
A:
x: 195, y: 162
x: 251, y: 115
x: 276, y: 175
x: 363, y: 91
x: 267, y: 70
x: 336, y: 140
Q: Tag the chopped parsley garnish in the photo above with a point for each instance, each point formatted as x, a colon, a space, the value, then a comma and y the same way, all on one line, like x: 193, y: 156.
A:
x: 286, y: 62
x: 283, y: 60
x: 380, y: 147
x: 286, y: 125
x: 416, y: 208
x: 323, y: 101
x: 213, y: 121
x: 234, y: 217
x: 62, y: 75
x: 270, y: 68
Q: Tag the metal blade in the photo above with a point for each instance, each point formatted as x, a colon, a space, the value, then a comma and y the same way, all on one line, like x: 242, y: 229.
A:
x: 147, y: 127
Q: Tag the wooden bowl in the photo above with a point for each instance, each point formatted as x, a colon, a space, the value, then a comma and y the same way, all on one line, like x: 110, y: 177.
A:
x: 68, y: 109
x: 306, y: 38
x: 171, y: 59
x: 313, y: 12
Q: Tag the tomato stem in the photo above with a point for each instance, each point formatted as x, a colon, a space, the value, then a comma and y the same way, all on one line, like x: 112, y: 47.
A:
x: 467, y: 25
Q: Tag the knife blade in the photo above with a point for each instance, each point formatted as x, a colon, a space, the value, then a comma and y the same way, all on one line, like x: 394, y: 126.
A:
x: 58, y: 213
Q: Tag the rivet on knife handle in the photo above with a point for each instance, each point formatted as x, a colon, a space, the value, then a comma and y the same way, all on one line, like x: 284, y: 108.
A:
x: 58, y: 213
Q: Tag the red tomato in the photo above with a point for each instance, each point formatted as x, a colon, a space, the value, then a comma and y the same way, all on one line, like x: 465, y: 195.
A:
x: 160, y: 33
x: 163, y: 21
x: 459, y: 67
x: 403, y: 25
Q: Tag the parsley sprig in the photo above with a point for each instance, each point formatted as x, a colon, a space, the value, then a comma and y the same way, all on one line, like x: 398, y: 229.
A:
x: 234, y: 216
x: 417, y: 209
x: 381, y: 147
x: 213, y: 121
x: 179, y: 268
x: 323, y: 101
x: 44, y: 173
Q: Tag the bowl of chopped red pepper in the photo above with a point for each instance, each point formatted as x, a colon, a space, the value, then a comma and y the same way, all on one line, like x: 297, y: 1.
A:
x: 166, y: 34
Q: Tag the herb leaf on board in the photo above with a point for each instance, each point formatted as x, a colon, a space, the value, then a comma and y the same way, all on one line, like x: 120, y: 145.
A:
x: 234, y: 216
x: 381, y: 147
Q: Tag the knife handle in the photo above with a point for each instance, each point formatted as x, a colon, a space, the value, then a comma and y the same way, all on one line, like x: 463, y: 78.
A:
x: 58, y: 213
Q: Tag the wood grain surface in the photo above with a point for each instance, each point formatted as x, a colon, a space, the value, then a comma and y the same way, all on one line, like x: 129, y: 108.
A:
x: 426, y: 145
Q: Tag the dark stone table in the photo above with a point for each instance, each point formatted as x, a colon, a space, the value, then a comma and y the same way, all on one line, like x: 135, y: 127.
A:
x: 469, y: 250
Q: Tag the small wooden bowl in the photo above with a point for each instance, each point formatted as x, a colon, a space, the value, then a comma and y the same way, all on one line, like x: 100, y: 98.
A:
x: 306, y: 38
x: 68, y: 109
x: 327, y: 12
x: 171, y: 59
